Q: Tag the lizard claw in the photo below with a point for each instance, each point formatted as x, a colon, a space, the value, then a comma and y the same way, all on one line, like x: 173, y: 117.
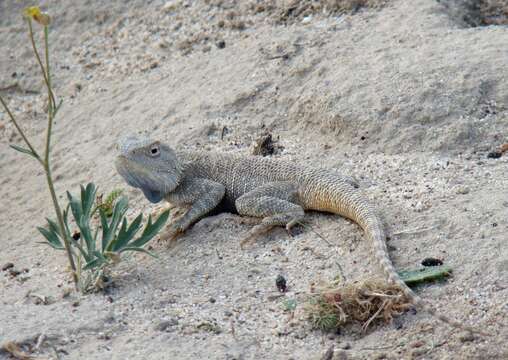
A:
x: 172, y: 234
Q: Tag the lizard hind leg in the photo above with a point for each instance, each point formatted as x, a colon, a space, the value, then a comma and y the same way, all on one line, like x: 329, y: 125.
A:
x: 276, y: 203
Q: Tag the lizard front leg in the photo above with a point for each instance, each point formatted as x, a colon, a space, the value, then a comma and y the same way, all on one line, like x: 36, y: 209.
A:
x: 200, y: 196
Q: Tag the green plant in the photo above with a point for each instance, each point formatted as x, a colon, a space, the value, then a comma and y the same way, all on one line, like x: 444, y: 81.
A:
x: 107, y: 204
x: 34, y: 13
x: 100, y: 242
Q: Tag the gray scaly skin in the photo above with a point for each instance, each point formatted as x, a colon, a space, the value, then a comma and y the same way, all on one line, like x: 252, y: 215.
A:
x: 277, y: 192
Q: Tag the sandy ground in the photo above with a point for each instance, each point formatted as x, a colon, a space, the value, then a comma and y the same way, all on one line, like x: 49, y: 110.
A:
x: 409, y: 98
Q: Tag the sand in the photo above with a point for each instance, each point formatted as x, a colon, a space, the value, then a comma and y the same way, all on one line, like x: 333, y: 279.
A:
x: 407, y: 96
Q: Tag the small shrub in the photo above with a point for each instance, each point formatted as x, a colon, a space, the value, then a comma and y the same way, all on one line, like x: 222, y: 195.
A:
x: 97, y: 246
x: 100, y: 243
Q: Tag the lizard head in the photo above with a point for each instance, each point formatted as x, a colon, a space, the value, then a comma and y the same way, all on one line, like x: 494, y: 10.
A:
x: 148, y: 165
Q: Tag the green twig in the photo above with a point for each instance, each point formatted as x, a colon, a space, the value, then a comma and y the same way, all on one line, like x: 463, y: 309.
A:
x: 20, y: 131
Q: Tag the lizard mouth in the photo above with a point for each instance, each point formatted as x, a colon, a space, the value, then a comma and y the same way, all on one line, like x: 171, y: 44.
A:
x: 152, y: 183
x: 128, y: 170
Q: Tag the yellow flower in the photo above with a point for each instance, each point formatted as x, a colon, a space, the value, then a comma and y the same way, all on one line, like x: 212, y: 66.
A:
x: 34, y: 12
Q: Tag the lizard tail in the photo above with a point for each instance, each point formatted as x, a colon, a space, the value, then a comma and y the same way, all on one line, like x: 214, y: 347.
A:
x: 339, y: 197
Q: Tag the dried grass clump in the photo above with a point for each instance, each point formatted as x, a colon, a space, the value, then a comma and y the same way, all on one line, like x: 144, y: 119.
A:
x: 363, y: 303
x: 494, y: 12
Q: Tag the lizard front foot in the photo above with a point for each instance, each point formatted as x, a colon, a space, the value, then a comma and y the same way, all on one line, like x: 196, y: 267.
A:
x: 173, y: 232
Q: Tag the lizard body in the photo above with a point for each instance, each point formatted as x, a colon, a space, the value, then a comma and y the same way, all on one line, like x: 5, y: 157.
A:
x: 278, y: 192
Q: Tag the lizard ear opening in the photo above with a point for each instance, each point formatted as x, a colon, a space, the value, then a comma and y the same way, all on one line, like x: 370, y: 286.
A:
x: 151, y: 195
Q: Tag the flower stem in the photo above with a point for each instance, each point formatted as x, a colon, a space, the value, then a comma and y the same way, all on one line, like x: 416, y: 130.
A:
x: 20, y: 131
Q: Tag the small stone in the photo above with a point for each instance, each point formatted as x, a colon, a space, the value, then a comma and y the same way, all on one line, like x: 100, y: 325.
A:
x: 164, y: 325
x: 466, y: 337
x: 417, y: 344
x: 170, y: 6
x: 212, y: 300
x: 462, y: 190
x: 306, y: 19
x: 281, y: 283
x: 340, y: 355
x: 345, y: 346
x: 66, y: 292
x: 432, y: 262
x: 14, y: 272
x: 221, y: 44
x: 7, y: 266
x: 494, y: 154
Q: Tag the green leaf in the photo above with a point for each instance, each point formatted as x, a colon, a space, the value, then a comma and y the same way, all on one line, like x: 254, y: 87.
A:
x: 24, y: 151
x: 58, y: 106
x: 93, y: 264
x: 426, y: 274
x: 139, y: 249
x: 121, y: 235
x: 289, y: 305
x: 88, y: 198
x: 100, y: 255
x: 86, y: 255
x: 76, y: 208
x: 86, y: 233
x: 54, y: 227
x: 65, y: 218
x: 126, y: 234
x: 150, y: 230
x: 105, y: 228
x: 51, y: 237
x: 118, y: 214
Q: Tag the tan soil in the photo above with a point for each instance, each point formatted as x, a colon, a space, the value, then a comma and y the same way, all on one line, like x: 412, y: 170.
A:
x: 405, y: 96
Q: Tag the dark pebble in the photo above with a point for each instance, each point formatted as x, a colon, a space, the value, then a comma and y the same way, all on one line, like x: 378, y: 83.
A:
x: 432, y: 262
x: 164, y: 325
x: 7, y: 266
x: 281, y: 284
x: 221, y: 44
x: 14, y: 272
x: 494, y: 154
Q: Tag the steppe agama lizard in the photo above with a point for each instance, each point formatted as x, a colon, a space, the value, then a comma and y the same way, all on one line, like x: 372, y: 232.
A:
x: 278, y: 192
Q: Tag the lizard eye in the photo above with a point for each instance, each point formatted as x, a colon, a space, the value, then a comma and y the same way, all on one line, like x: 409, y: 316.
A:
x: 155, y: 150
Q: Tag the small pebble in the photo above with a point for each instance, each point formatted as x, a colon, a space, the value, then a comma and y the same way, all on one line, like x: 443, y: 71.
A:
x: 164, y: 325
x: 466, y: 337
x: 345, y: 346
x: 7, y: 266
x: 494, y: 154
x: 221, y: 44
x: 432, y: 262
x: 462, y: 190
x: 14, y: 272
x: 281, y: 283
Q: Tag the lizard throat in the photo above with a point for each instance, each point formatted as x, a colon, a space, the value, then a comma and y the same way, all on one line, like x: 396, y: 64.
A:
x: 155, y: 184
